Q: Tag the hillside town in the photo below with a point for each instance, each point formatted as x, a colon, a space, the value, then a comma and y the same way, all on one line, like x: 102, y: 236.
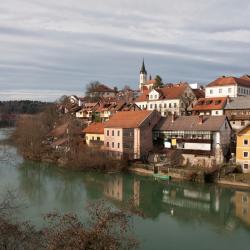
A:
x: 203, y: 126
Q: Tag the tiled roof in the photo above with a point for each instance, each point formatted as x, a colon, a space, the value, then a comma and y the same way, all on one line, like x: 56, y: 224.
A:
x: 191, y: 123
x: 225, y: 81
x: 215, y: 103
x: 199, y: 93
x: 127, y: 119
x: 242, y: 102
x: 95, y: 128
x: 246, y: 77
x: 143, y: 97
x: 173, y: 91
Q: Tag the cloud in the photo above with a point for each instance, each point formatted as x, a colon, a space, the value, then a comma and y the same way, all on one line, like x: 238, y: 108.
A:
x: 62, y: 45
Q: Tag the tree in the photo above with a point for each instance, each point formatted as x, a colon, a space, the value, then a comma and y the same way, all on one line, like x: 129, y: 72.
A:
x: 107, y: 229
x: 92, y: 87
x: 158, y: 82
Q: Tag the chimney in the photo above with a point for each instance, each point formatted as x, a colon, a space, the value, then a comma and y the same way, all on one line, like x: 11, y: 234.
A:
x: 173, y: 117
x: 200, y: 119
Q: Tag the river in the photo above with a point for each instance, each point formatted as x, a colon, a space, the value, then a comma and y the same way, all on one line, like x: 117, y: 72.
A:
x: 178, y: 215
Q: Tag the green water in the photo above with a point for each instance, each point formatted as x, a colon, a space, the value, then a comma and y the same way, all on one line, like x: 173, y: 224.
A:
x: 177, y: 215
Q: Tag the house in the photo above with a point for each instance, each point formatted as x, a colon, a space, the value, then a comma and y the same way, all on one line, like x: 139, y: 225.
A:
x: 209, y: 106
x: 238, y: 112
x: 129, y: 133
x: 203, y: 140
x: 243, y: 149
x: 87, y: 112
x: 106, y: 110
x: 173, y: 98
x: 102, y: 91
x: 228, y: 86
x: 94, y: 134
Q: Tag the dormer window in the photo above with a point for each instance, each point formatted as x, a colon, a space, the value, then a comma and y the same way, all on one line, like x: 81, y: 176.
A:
x: 155, y: 96
x: 151, y: 97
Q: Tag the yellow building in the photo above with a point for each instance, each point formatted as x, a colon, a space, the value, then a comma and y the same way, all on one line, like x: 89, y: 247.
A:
x: 243, y: 149
x: 94, y: 134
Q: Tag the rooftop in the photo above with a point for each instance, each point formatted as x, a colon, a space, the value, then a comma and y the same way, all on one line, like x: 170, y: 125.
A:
x: 215, y: 103
x: 226, y: 81
x: 242, y: 102
x: 191, y: 123
x: 95, y: 128
x: 128, y: 119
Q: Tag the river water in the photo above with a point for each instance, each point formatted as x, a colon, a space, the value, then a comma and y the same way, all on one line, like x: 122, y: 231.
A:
x: 178, y: 215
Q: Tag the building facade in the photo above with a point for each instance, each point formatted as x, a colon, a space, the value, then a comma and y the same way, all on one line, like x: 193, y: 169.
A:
x: 228, y: 86
x: 238, y: 112
x: 243, y: 149
x: 204, y: 139
x: 129, y: 133
x: 174, y: 98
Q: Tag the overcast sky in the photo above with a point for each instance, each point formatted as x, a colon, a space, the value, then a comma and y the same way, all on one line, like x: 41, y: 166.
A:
x: 53, y: 47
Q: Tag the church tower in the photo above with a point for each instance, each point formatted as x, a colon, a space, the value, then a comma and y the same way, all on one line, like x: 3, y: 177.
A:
x: 143, y: 75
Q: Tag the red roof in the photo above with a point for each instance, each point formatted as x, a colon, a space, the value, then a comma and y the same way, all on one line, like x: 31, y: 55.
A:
x: 95, y: 128
x: 225, y: 81
x: 128, y: 119
x: 143, y: 97
x: 199, y: 93
x: 173, y: 91
x: 215, y: 103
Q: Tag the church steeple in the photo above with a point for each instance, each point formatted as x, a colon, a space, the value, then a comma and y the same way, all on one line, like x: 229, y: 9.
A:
x: 143, y: 75
x: 143, y: 69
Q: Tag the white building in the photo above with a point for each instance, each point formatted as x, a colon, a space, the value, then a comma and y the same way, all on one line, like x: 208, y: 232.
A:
x: 174, y: 98
x: 228, y: 86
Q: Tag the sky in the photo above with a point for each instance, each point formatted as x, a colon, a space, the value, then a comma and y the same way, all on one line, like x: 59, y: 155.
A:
x: 50, y: 48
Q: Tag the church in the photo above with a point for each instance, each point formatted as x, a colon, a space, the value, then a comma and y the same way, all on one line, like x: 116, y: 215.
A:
x: 145, y: 84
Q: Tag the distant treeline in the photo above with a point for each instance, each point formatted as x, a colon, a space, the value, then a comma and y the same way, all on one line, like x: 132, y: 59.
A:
x: 22, y: 107
x: 10, y: 110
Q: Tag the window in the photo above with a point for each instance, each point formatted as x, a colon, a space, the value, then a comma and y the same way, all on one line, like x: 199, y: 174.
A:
x: 165, y: 105
x: 229, y: 90
x: 118, y: 133
x: 93, y: 138
x: 118, y: 145
x: 160, y: 106
x: 245, y: 154
x: 175, y: 105
x: 220, y: 91
x: 151, y: 106
x: 245, y: 166
x: 155, y: 96
x: 216, y: 112
x: 155, y: 106
x: 113, y: 144
x: 245, y: 142
x: 169, y: 105
x: 242, y: 123
x: 107, y: 144
x: 107, y: 132
x: 113, y: 132
x: 211, y: 91
x: 98, y: 138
